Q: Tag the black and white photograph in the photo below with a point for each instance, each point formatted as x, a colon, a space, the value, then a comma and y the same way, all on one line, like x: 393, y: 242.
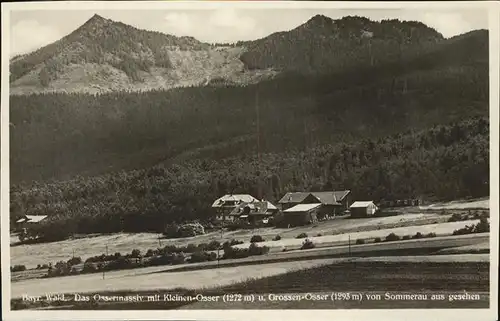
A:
x: 233, y: 156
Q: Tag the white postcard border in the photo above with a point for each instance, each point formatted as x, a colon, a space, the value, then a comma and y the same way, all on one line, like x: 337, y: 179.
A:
x: 397, y: 314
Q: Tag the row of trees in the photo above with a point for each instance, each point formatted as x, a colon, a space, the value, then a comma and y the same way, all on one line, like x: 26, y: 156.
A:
x: 446, y: 162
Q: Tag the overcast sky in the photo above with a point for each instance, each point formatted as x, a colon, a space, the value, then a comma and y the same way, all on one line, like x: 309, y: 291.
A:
x: 33, y: 29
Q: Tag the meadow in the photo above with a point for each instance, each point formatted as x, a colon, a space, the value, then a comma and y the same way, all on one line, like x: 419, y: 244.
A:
x: 33, y: 254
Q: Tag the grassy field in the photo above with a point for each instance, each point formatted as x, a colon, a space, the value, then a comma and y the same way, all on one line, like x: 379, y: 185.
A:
x: 34, y: 254
x: 342, y: 239
x: 434, y: 274
x: 128, y: 280
x: 483, y: 247
x: 483, y: 203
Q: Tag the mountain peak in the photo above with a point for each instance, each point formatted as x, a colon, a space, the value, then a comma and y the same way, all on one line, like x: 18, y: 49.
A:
x: 97, y: 21
x: 96, y: 18
x: 320, y: 20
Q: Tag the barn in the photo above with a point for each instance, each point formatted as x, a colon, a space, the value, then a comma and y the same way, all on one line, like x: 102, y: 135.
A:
x: 332, y: 202
x: 363, y: 209
x: 301, y: 214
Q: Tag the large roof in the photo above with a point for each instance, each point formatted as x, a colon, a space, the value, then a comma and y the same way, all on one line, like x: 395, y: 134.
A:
x: 294, y: 197
x: 361, y: 204
x: 234, y: 197
x: 302, y: 208
x: 326, y: 198
x: 253, y: 208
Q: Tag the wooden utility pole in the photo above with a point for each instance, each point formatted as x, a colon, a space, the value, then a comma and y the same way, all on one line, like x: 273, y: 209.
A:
x: 103, y: 271
x: 349, y: 245
x: 218, y: 249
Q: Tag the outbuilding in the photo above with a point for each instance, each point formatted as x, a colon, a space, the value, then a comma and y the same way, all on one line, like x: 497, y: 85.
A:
x: 301, y: 214
x: 363, y: 209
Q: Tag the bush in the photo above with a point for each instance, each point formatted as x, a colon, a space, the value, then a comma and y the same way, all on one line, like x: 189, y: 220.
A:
x: 377, y: 240
x: 18, y: 268
x: 200, y: 257
x: 178, y: 258
x: 75, y: 260
x: 406, y: 237
x: 191, y: 248
x: 119, y: 264
x: 277, y: 238
x: 254, y: 249
x: 61, y: 268
x: 171, y: 231
x: 150, y: 253
x: 483, y: 225
x: 391, y: 237
x: 319, y: 234
x: 307, y: 244
x: 164, y: 259
x: 89, y: 268
x: 418, y: 235
x: 135, y: 253
x: 236, y: 242
x: 455, y: 218
x: 38, y: 266
x: 431, y: 234
x: 231, y: 243
x: 360, y: 241
x: 183, y: 230
x: 202, y: 246
x: 213, y: 246
x: 191, y: 229
x: 169, y: 249
x: 103, y: 258
x: 235, y: 253
x: 256, y: 238
x: 302, y: 236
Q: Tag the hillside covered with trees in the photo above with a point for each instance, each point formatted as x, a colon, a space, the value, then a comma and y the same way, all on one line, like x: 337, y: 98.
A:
x: 409, y: 120
x: 58, y: 136
x: 444, y: 162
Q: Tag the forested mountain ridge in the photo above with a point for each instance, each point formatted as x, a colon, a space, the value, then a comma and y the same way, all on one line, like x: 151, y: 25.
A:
x: 442, y: 162
x: 116, y: 131
x: 325, y: 45
x: 104, y: 56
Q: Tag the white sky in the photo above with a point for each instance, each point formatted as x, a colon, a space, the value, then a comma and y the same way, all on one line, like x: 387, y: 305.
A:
x: 31, y: 30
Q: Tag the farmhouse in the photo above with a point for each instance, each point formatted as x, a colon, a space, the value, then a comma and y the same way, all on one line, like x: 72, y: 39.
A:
x: 254, y: 211
x: 332, y: 203
x: 227, y: 203
x: 363, y: 209
x: 301, y: 214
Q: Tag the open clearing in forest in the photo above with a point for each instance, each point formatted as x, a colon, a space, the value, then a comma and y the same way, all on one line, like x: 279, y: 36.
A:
x: 34, y: 254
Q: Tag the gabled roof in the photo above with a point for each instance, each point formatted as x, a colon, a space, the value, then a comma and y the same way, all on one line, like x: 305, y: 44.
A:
x: 361, y: 204
x: 234, y: 197
x: 253, y: 208
x: 325, y: 198
x: 294, y: 197
x: 302, y: 208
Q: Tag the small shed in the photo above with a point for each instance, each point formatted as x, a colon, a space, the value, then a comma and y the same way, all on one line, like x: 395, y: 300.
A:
x: 301, y: 214
x: 363, y: 209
